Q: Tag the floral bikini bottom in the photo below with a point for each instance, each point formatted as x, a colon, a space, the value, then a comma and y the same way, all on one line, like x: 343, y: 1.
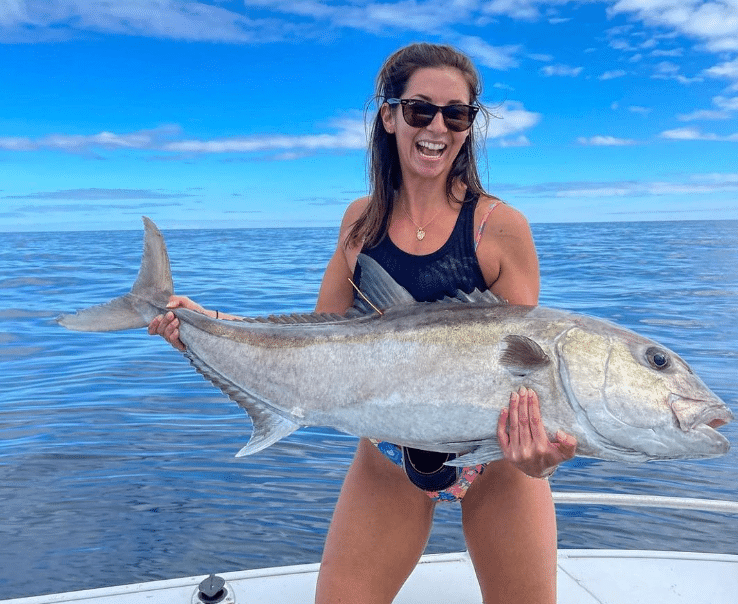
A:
x: 446, y: 483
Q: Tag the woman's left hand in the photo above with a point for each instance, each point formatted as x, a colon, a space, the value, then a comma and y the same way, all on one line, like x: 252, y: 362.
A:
x: 523, y: 438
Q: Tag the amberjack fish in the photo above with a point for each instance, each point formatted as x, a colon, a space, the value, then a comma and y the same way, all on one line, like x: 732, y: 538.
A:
x: 435, y: 376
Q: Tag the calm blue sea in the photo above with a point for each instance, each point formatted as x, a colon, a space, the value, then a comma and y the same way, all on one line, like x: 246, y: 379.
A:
x: 117, y: 460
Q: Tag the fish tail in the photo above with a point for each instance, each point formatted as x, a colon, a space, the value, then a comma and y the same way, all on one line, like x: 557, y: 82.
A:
x: 147, y: 298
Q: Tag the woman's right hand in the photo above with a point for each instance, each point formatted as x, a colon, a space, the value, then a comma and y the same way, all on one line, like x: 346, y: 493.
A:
x: 167, y: 325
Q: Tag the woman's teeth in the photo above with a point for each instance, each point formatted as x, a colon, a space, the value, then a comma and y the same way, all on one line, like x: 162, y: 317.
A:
x: 431, y: 149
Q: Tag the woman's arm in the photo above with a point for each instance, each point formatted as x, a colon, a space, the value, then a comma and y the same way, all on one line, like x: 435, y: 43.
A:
x: 336, y: 292
x: 510, y: 253
x: 508, y: 258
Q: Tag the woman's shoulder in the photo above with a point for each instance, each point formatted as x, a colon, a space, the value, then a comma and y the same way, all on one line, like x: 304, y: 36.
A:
x: 354, y: 211
x: 502, y: 218
x: 352, y: 214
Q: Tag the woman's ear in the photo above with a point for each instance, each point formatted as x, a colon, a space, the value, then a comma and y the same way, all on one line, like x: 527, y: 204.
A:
x: 388, y: 118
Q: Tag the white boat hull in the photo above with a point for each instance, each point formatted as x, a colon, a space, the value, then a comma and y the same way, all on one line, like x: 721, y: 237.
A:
x: 584, y: 577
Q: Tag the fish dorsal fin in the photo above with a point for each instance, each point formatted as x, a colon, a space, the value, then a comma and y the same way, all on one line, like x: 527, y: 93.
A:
x: 477, y: 297
x: 382, y: 291
x: 523, y: 355
x: 379, y: 288
x: 296, y: 318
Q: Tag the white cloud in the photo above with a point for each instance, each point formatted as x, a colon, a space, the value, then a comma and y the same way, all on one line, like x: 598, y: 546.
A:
x: 502, y: 86
x: 621, y: 44
x: 17, y: 143
x: 176, y: 19
x: 410, y: 15
x: 526, y: 10
x: 82, y: 143
x: 97, y: 194
x: 639, y: 110
x: 703, y: 114
x: 483, y: 53
x: 725, y: 109
x: 673, y: 52
x: 542, y: 57
x: 12, y: 11
x: 611, y: 75
x: 728, y: 70
x: 666, y: 70
x: 350, y: 138
x: 561, y: 70
x: 713, y: 22
x: 606, y: 141
x: 690, y: 184
x: 350, y: 134
x: 694, y: 134
x: 717, y: 178
x: 512, y: 119
x: 729, y: 104
x: 518, y: 141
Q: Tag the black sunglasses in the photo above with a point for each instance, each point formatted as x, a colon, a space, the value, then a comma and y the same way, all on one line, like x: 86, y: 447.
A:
x: 420, y: 114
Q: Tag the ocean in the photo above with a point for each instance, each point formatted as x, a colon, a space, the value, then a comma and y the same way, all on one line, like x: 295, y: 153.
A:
x: 117, y: 459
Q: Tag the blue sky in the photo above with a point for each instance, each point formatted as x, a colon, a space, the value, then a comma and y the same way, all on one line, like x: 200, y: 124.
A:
x: 250, y: 113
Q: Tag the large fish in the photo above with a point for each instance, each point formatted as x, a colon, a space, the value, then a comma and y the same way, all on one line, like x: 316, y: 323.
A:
x: 435, y: 376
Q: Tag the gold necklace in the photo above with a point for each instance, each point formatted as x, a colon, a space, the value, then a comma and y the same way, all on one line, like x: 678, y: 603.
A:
x: 420, y: 233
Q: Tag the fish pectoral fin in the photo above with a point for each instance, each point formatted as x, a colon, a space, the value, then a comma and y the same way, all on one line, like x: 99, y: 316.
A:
x: 268, y: 429
x: 483, y: 454
x: 523, y: 355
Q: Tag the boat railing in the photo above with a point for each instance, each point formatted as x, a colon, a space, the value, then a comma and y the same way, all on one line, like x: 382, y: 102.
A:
x: 646, y: 501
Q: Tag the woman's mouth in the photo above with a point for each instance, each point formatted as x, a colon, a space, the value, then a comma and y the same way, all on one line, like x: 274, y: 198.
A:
x: 429, y: 149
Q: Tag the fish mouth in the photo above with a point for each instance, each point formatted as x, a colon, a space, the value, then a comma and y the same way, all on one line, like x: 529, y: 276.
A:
x: 694, y: 414
x: 714, y: 418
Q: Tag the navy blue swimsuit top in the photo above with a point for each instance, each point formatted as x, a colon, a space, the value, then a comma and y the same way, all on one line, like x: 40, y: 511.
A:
x: 454, y: 266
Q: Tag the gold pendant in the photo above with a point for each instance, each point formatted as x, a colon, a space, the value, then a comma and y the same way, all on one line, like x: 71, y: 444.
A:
x: 420, y: 234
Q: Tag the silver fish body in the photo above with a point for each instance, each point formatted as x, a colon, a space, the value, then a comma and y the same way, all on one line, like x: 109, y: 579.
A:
x: 436, y: 375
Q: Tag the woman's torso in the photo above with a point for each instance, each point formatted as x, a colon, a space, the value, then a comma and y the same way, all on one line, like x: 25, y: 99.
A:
x: 429, y: 277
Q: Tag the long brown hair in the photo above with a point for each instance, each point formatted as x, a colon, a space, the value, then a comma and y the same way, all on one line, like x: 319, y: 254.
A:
x: 385, y: 175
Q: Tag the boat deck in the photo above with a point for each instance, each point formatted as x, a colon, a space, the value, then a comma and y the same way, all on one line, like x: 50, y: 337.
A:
x: 588, y: 576
x: 585, y: 577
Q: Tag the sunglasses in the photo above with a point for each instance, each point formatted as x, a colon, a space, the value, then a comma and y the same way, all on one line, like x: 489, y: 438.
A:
x: 420, y: 114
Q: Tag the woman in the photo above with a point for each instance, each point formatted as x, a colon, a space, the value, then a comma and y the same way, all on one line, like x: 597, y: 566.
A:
x: 430, y: 224
x: 419, y: 222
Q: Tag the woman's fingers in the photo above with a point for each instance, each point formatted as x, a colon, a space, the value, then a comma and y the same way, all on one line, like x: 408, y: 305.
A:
x: 537, y: 430
x: 502, y: 434
x: 566, y: 444
x: 167, y: 326
x: 513, y: 424
x: 523, y: 439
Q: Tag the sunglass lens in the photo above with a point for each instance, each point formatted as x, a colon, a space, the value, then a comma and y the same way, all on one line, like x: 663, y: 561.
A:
x: 419, y: 114
x: 458, y: 117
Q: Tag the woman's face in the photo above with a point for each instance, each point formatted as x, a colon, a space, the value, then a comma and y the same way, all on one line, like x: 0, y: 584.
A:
x: 428, y: 152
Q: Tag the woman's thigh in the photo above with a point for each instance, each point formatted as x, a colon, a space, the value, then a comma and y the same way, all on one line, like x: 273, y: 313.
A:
x: 510, y: 529
x: 379, y: 531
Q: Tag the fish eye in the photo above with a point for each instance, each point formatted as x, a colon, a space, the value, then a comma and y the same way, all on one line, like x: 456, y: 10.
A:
x: 657, y: 358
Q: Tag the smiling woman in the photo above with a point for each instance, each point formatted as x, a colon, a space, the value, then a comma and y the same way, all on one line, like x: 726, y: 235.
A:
x: 404, y: 76
x: 424, y: 222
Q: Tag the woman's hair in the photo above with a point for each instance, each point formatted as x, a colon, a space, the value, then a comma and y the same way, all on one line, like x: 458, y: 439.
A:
x: 385, y: 174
